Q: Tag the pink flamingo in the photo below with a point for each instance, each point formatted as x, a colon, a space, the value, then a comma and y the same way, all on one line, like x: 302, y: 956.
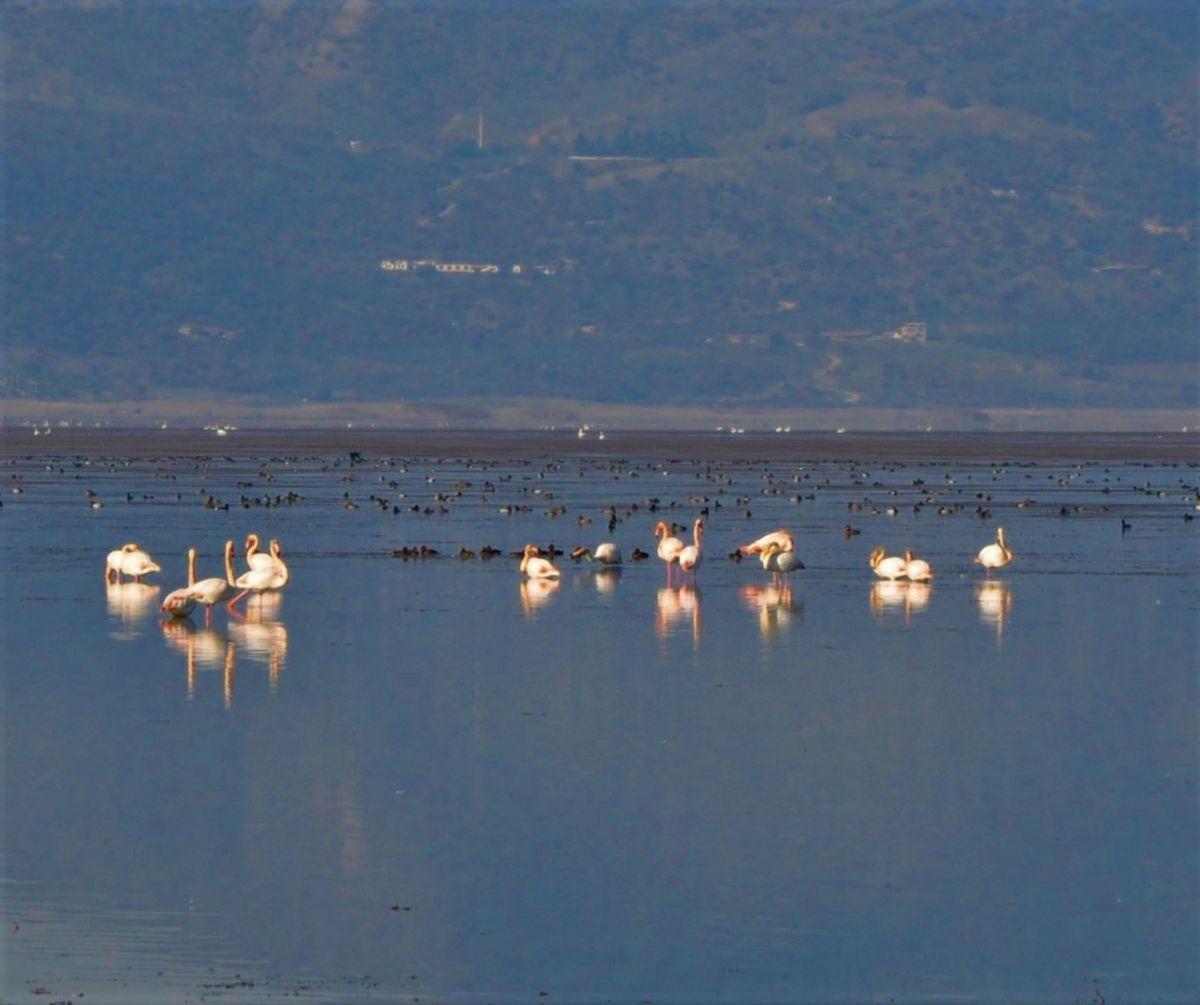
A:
x: 180, y: 603
x: 690, y: 556
x: 782, y: 538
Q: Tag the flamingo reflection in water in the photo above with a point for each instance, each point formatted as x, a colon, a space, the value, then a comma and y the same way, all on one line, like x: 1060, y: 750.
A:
x: 606, y: 579
x: 131, y: 603
x: 774, y: 605
x: 678, y: 604
x: 899, y: 595
x: 995, y: 603
x: 261, y: 637
x: 535, y: 593
x: 203, y: 649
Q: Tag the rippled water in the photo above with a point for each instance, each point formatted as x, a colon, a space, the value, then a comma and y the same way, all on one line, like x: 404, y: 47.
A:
x: 427, y: 779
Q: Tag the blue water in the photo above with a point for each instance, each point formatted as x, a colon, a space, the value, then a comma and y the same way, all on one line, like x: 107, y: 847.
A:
x: 427, y: 779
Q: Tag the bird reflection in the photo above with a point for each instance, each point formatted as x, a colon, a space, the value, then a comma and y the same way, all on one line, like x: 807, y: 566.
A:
x: 535, y: 593
x: 260, y: 638
x: 131, y: 603
x: 774, y: 605
x: 888, y: 595
x: 918, y: 597
x: 607, y: 578
x: 899, y: 595
x: 676, y: 605
x: 995, y: 602
x: 203, y: 649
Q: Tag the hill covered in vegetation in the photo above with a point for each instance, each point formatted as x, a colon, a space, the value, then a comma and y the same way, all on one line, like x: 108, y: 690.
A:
x: 878, y: 204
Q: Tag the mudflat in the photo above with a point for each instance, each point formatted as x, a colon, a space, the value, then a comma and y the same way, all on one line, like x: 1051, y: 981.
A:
x: 486, y: 443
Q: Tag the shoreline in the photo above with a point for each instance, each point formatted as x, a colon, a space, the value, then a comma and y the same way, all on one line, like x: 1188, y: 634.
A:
x: 567, y: 415
x: 995, y: 447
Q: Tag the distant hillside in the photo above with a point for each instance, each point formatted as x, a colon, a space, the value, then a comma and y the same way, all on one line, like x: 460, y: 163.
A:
x: 734, y: 203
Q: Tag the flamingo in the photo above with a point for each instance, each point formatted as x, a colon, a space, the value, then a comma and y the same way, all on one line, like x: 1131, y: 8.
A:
x: 889, y: 567
x: 112, y: 564
x: 669, y: 547
x: 995, y: 556
x: 780, y: 537
x: 180, y: 603
x: 215, y: 589
x: 258, y: 580
x: 690, y: 556
x: 606, y: 553
x: 137, y: 563
x: 256, y: 559
x: 779, y: 561
x: 917, y: 569
x: 536, y: 567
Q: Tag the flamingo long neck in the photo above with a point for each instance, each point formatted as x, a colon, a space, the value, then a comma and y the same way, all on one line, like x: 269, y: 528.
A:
x: 1003, y: 544
x: 230, y: 578
x: 191, y: 566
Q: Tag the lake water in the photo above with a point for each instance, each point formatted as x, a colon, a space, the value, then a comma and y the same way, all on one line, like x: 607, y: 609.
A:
x: 406, y: 780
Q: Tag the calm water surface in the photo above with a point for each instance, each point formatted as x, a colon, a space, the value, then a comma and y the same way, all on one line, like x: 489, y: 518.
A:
x: 426, y: 779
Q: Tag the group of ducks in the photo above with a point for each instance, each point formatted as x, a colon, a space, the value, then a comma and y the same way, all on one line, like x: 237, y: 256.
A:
x: 776, y: 552
x: 266, y: 572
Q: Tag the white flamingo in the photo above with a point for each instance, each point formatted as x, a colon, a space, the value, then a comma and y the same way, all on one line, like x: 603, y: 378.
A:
x: 778, y: 560
x: 256, y: 559
x: 536, y: 567
x: 995, y: 556
x: 112, y: 564
x: 690, y: 556
x: 215, y: 589
x: 137, y: 563
x: 606, y: 553
x: 669, y: 546
x: 887, y: 566
x: 258, y: 580
x: 917, y: 569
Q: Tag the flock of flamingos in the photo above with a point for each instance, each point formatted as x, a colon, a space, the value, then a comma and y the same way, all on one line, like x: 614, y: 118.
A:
x: 268, y: 572
x: 776, y: 551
